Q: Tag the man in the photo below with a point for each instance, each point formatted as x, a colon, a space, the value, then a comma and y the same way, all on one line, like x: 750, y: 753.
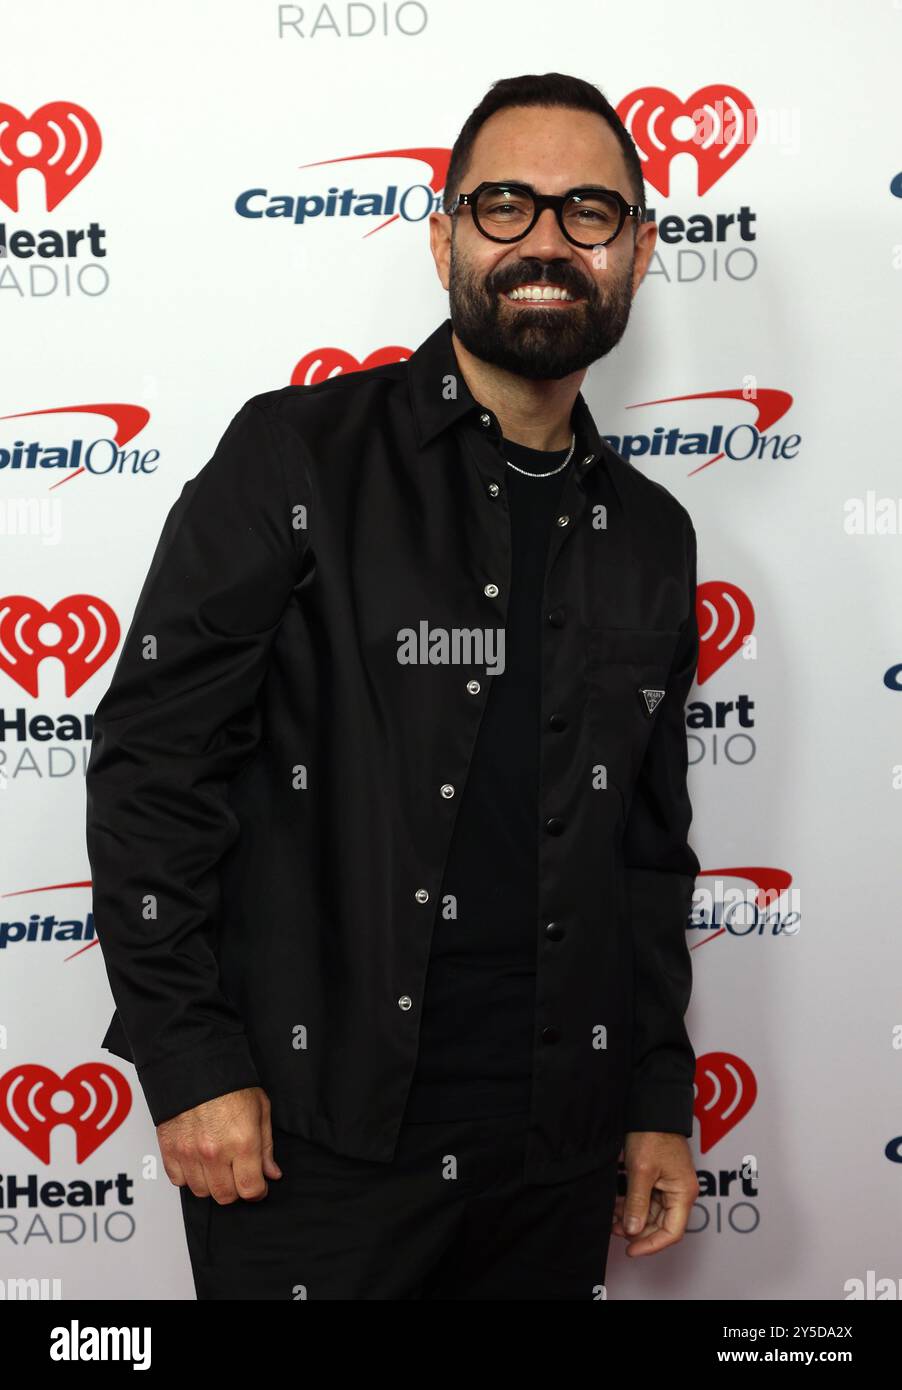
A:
x: 387, y: 806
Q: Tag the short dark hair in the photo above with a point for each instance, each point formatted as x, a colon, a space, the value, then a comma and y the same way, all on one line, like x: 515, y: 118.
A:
x: 547, y: 89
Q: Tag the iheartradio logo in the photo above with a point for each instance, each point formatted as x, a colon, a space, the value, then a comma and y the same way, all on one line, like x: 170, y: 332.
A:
x: 92, y: 1099
x: 725, y: 1091
x: 725, y: 619
x: 320, y: 364
x: 81, y: 631
x: 715, y: 125
x: 60, y: 139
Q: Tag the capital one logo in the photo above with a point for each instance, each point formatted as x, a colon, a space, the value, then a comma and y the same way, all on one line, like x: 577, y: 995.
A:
x: 715, y: 125
x: 743, y: 441
x: 81, y: 631
x: 725, y: 1091
x: 60, y: 139
x: 92, y: 1099
x: 725, y: 619
x: 393, y: 202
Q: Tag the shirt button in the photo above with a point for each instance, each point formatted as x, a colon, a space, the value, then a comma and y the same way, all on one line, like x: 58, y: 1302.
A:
x: 405, y: 1002
x: 556, y: 617
x: 554, y: 931
x: 485, y: 420
x: 551, y: 1035
x: 491, y: 590
x: 557, y: 722
x: 474, y: 687
x: 554, y: 826
x: 494, y: 489
x: 447, y: 791
x: 563, y: 520
x: 422, y: 895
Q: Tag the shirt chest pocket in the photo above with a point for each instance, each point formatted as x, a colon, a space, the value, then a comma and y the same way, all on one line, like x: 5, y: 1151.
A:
x: 626, y: 681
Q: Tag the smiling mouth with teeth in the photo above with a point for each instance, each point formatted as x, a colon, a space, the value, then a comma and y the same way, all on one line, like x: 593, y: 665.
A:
x: 541, y: 294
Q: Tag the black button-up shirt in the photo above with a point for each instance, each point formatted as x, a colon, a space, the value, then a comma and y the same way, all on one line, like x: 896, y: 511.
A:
x: 476, y: 1036
x: 273, y: 782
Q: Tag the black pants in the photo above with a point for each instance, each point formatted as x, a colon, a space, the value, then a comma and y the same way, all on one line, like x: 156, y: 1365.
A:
x: 449, y: 1217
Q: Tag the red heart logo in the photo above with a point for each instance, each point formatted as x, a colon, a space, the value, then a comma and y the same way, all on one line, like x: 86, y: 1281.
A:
x: 322, y: 363
x: 69, y: 146
x: 96, y: 1099
x: 724, y: 123
x: 725, y: 618
x: 89, y: 634
x: 725, y: 1091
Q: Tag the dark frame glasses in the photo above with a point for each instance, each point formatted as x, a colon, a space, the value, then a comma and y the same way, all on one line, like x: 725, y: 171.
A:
x: 542, y: 201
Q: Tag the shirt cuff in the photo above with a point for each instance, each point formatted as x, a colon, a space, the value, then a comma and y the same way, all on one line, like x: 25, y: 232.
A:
x: 186, y: 1079
x: 664, y: 1107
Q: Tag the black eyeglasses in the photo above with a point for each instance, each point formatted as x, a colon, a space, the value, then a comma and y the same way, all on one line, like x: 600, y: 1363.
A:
x: 587, y: 216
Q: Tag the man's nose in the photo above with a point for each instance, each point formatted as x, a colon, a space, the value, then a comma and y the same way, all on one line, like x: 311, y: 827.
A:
x: 546, y: 241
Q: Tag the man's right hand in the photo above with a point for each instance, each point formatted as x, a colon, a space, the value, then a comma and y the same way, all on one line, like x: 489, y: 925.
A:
x: 223, y: 1148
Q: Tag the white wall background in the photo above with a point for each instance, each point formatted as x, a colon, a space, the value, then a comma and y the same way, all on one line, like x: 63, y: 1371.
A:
x: 197, y: 102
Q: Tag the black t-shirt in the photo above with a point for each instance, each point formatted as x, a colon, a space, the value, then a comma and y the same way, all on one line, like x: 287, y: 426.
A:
x: 478, y: 1023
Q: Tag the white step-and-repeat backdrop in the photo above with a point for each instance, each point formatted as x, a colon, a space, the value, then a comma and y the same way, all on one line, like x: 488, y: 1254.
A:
x: 143, y: 298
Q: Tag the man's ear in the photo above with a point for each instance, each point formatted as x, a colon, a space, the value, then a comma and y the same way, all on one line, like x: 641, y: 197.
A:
x: 441, y: 231
x: 646, y: 238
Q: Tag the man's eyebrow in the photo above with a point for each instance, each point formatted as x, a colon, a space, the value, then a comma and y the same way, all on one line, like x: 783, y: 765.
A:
x: 504, y: 183
x: 521, y: 183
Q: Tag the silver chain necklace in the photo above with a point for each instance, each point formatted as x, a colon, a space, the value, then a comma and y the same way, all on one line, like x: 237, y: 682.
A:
x: 530, y: 474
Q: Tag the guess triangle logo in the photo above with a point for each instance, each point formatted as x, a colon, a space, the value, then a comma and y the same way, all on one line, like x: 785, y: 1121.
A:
x: 651, y: 698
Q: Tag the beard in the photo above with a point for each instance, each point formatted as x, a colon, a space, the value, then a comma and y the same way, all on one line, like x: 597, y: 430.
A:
x: 531, y: 341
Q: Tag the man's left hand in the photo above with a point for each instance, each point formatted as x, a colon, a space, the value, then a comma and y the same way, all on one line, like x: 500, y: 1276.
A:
x: 661, y: 1187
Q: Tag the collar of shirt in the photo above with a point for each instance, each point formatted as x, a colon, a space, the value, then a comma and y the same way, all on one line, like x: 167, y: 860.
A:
x: 439, y: 397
